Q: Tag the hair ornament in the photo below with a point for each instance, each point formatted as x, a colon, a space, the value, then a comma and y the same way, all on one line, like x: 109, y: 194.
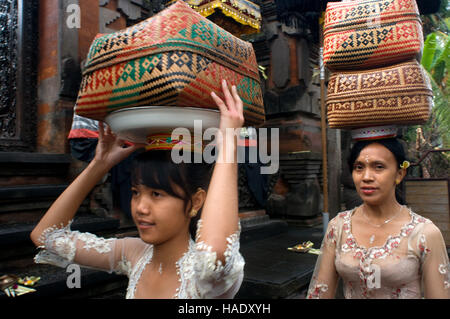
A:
x: 405, y: 165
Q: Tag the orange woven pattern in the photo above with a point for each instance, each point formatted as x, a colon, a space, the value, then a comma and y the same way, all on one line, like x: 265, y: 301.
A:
x: 372, y: 33
x: 164, y: 141
x: 400, y: 94
x: 175, y: 58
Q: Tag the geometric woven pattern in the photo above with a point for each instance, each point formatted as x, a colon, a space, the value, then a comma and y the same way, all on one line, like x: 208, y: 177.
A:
x: 400, y: 94
x: 175, y: 58
x: 371, y: 33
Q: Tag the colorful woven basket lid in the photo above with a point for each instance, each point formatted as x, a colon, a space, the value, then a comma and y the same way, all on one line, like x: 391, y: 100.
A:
x: 374, y: 132
x: 195, y: 143
x: 174, y: 58
x: 164, y: 141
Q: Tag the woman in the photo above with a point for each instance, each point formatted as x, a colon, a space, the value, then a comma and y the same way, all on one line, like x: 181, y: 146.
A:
x: 164, y: 262
x: 381, y: 249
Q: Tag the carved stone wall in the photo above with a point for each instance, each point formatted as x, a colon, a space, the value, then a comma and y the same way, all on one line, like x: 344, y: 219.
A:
x: 18, y: 48
x: 289, y: 47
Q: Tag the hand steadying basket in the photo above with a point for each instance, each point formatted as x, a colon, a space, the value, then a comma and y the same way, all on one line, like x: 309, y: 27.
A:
x: 175, y: 58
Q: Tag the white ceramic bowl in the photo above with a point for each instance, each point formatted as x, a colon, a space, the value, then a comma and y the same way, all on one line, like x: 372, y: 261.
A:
x: 135, y: 124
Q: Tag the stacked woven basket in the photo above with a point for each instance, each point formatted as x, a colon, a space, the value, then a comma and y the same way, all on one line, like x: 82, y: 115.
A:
x: 372, y: 48
x: 157, y: 75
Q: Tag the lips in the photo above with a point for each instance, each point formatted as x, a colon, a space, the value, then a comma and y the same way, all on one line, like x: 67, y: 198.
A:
x: 142, y: 224
x: 368, y: 190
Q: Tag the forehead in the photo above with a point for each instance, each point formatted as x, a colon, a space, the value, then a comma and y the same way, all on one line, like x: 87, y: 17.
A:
x: 173, y: 187
x: 375, y: 152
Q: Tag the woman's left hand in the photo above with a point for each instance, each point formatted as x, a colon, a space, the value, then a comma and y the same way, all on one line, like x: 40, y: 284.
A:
x: 232, y: 110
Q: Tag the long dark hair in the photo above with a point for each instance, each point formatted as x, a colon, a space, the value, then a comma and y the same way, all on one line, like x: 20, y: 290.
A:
x: 156, y: 169
x: 393, y: 145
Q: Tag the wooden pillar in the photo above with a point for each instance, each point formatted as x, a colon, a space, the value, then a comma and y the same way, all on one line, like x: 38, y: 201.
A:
x: 48, y: 76
x: 89, y: 26
x: 293, y: 62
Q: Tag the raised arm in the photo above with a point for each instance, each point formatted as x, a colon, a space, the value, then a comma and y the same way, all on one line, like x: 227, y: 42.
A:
x: 220, y: 212
x: 109, y: 152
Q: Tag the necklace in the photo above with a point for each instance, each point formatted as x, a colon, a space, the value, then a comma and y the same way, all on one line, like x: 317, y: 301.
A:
x: 372, y: 238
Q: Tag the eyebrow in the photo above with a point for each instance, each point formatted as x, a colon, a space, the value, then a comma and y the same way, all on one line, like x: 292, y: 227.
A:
x: 371, y: 162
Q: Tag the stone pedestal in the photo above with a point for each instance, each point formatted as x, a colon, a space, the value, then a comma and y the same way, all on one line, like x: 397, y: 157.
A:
x: 301, y: 174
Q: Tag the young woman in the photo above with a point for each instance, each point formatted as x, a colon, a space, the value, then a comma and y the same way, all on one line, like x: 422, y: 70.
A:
x: 381, y: 249
x: 164, y: 262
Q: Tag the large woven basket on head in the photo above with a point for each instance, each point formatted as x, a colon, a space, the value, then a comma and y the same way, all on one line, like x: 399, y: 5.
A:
x: 400, y: 94
x: 371, y: 33
x: 175, y: 58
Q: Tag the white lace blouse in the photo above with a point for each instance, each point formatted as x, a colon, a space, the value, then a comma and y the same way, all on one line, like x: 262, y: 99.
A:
x: 201, y: 275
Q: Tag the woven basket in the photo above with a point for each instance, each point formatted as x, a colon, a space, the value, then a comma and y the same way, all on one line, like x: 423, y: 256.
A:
x: 175, y: 58
x: 399, y: 94
x: 371, y: 33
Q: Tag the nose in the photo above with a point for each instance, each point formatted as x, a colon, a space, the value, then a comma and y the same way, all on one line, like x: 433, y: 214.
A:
x: 141, y: 205
x: 367, y: 174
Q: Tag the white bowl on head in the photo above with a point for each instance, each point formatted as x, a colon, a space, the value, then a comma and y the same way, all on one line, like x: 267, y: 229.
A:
x: 135, y: 124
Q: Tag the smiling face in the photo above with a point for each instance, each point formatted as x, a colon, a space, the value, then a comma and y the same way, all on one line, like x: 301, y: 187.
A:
x: 163, y: 194
x: 158, y: 216
x: 375, y: 174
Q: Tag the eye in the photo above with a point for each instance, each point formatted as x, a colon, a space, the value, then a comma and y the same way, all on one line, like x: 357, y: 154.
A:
x: 134, y: 191
x: 358, y: 167
x: 156, y: 194
x: 379, y: 167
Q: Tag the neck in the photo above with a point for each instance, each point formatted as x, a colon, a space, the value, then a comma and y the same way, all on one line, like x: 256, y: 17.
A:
x: 387, y: 209
x: 169, y: 252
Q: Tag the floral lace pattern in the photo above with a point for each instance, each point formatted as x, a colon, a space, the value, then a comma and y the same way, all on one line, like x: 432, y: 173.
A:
x: 198, y: 269
x: 137, y: 270
x: 101, y: 245
x: 59, y: 246
x: 444, y: 269
x: 366, y: 256
x: 123, y: 267
x: 424, y: 250
x: 201, y: 274
x: 404, y: 266
x: 331, y: 235
x: 317, y: 290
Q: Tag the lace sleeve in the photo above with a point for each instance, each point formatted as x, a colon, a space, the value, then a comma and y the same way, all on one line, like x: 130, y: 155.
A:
x: 435, y: 263
x: 324, y: 280
x: 212, y: 279
x: 62, y: 246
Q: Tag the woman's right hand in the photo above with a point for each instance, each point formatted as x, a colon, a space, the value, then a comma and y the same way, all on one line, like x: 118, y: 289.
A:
x: 110, y: 149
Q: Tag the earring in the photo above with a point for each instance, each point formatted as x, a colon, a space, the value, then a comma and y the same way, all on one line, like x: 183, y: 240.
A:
x: 192, y: 213
x: 397, y: 182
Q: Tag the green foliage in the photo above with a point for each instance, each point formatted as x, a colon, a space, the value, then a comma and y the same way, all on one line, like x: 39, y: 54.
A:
x: 436, y: 61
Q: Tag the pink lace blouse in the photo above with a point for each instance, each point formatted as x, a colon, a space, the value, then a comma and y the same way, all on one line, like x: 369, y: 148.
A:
x: 411, y: 264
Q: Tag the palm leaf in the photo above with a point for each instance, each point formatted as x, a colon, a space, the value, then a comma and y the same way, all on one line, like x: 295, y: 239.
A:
x: 441, y: 64
x: 429, y: 50
x: 436, y: 61
x: 441, y: 111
